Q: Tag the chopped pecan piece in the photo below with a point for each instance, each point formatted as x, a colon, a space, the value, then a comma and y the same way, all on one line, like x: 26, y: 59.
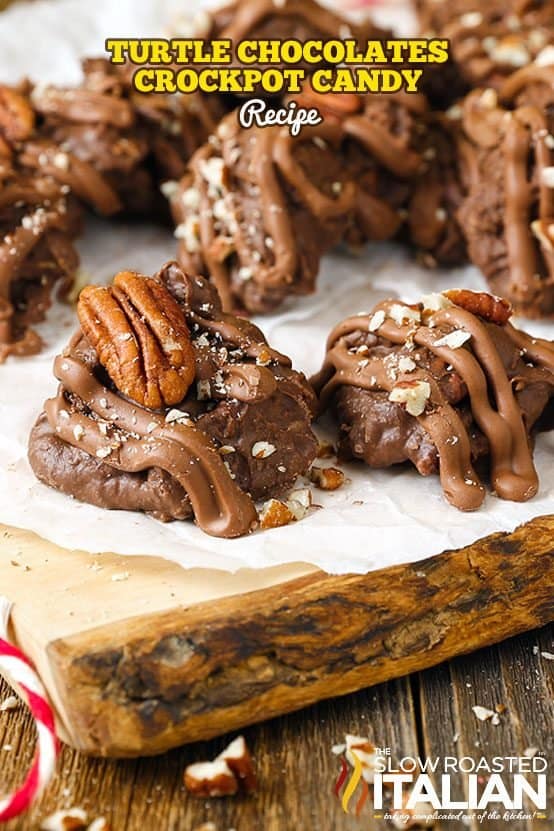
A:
x: 413, y: 394
x: 275, y: 514
x: 211, y: 779
x: 231, y: 771
x: 238, y: 758
x: 141, y: 337
x: 327, y: 478
x: 73, y: 819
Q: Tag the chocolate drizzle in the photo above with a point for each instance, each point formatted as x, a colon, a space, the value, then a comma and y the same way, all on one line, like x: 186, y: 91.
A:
x: 35, y: 253
x: 525, y: 79
x: 144, y: 440
x: 519, y: 145
x: 391, y: 151
x: 476, y: 361
x: 384, y: 153
x: 81, y: 176
x: 528, y: 129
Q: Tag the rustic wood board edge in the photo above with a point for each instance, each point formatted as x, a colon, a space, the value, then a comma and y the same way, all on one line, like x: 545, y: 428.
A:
x: 153, y: 682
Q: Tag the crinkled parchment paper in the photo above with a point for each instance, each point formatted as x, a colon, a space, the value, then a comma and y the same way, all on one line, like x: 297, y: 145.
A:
x: 379, y: 518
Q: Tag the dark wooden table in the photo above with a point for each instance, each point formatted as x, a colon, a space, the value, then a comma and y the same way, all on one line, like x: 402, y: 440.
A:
x: 428, y: 714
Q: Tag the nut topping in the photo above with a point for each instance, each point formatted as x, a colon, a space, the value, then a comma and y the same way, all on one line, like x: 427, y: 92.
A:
x: 228, y: 773
x: 414, y: 394
x: 210, y: 779
x: 141, y: 337
x: 238, y: 758
x: 275, y: 514
x: 327, y: 478
x: 17, y: 119
x: 480, y: 303
x: 73, y: 819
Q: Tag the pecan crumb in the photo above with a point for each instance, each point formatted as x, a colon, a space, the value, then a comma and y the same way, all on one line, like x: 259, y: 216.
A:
x: 414, y: 394
x: 275, y: 514
x: 72, y: 819
x: 9, y: 703
x: 327, y: 478
x: 231, y: 771
x: 99, y: 824
x: 263, y: 450
x: 484, y: 714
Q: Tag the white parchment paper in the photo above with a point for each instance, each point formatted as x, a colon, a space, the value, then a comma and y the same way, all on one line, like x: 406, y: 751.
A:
x: 379, y: 518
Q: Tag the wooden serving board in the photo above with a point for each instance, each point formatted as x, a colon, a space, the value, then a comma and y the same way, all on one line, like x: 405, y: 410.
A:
x: 139, y: 655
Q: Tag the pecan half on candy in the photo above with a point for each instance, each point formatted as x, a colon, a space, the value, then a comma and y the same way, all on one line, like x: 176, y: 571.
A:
x: 141, y: 337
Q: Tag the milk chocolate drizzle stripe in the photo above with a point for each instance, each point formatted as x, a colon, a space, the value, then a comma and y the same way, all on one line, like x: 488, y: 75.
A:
x: 531, y: 74
x: 513, y: 471
x: 215, y: 266
x: 380, y: 219
x: 86, y: 106
x: 274, y: 213
x: 240, y: 333
x: 322, y: 206
x: 29, y: 194
x: 528, y: 127
x: 531, y: 268
x: 274, y: 151
x: 84, y: 180
x: 245, y: 382
x: 13, y: 254
x: 537, y: 350
x: 248, y: 383
x: 220, y: 507
x: 393, y: 154
x: 251, y: 14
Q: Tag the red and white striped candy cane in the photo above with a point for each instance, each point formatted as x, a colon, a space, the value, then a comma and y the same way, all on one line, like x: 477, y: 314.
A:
x: 19, y: 673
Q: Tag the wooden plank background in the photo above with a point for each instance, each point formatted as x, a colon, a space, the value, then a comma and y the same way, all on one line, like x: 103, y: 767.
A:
x: 429, y: 713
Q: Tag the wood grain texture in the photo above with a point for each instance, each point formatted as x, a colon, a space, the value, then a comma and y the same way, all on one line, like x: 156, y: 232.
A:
x: 513, y: 674
x: 294, y: 763
x: 154, y: 682
x: 293, y: 754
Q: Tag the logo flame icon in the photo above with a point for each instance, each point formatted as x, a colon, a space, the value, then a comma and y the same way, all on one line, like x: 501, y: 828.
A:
x: 352, y: 784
